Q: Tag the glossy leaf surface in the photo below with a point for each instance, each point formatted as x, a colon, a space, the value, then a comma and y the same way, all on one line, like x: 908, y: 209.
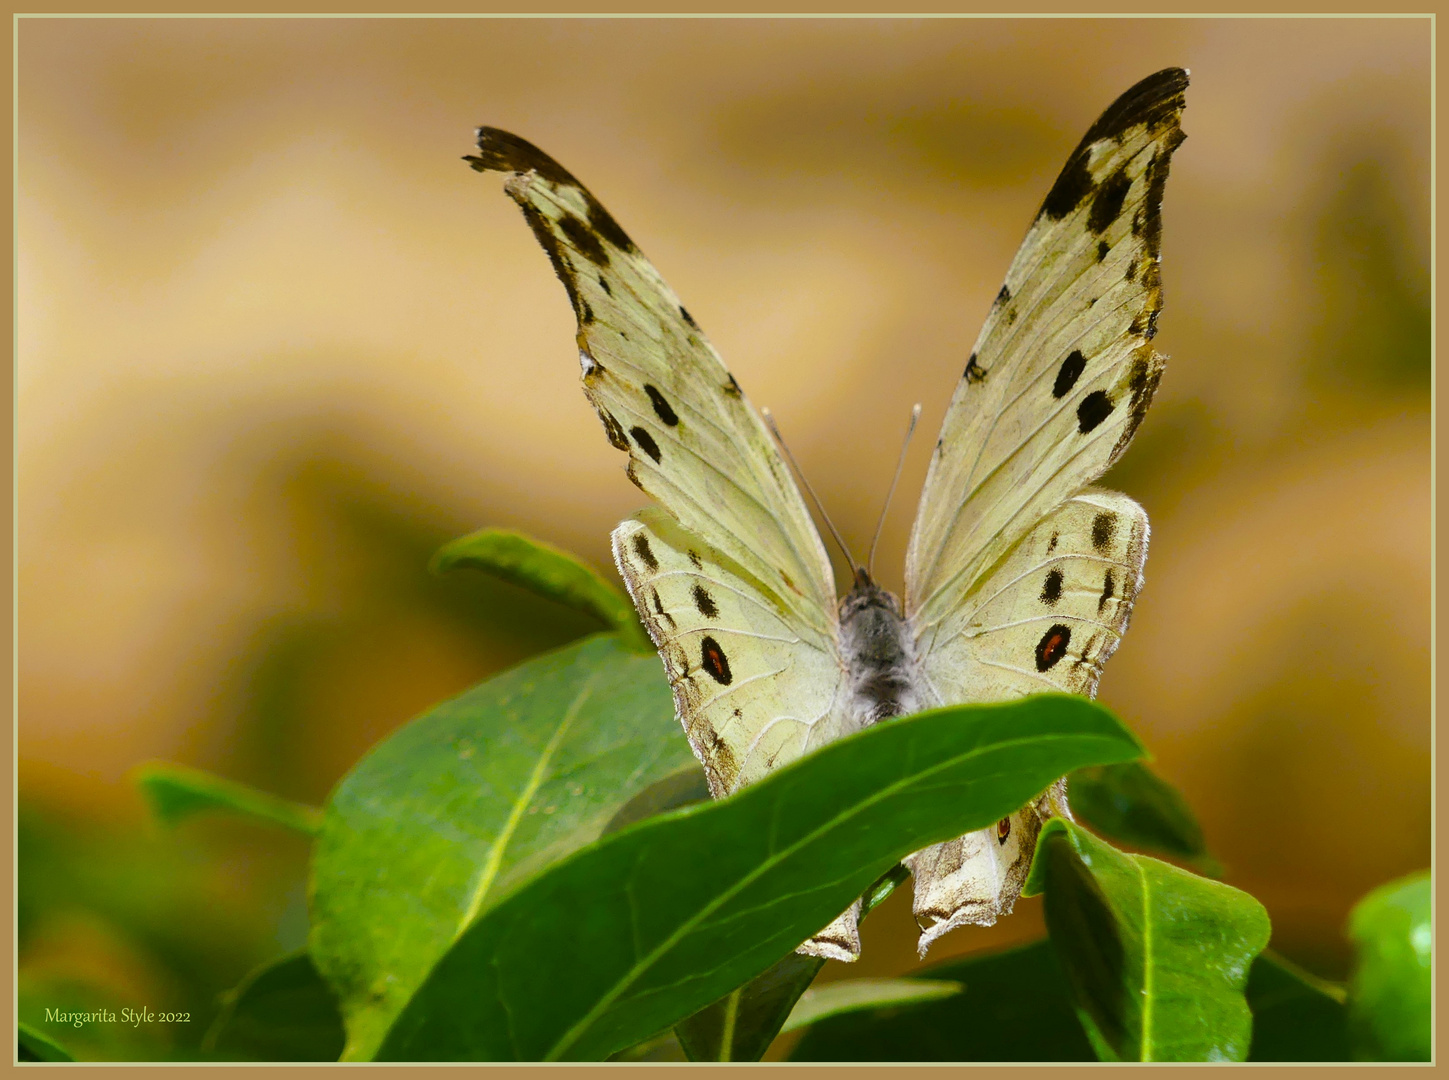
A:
x: 1157, y: 957
x: 455, y: 809
x: 657, y: 920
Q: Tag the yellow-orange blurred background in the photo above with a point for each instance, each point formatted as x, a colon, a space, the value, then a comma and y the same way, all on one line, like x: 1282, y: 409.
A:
x: 277, y: 343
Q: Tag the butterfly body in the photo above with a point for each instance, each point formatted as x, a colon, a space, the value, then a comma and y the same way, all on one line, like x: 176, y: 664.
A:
x: 1020, y: 575
x: 878, y: 651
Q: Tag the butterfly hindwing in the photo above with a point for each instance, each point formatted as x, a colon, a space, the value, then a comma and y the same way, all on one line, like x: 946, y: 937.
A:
x: 663, y: 394
x: 1063, y: 370
x: 750, y: 691
x: 1045, y: 619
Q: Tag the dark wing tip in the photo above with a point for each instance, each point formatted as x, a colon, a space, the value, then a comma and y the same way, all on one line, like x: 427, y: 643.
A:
x: 1157, y: 98
x: 502, y: 151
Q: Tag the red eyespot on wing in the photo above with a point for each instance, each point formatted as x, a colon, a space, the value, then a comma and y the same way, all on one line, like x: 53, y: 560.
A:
x: 1003, y: 830
x: 712, y: 658
x: 1053, y: 646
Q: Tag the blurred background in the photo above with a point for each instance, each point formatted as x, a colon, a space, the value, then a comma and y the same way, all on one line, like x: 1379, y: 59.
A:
x: 277, y: 343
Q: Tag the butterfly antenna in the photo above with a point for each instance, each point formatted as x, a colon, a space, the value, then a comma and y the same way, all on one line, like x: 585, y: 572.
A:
x: 769, y: 418
x: 900, y: 464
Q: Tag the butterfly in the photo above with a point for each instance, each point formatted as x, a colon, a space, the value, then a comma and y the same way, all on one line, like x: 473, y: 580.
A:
x: 1020, y: 576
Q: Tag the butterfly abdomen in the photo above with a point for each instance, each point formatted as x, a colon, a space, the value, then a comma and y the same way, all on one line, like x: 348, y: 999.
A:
x: 878, y: 654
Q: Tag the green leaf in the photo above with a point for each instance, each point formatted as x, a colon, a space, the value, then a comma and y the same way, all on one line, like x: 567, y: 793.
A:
x: 455, y: 809
x: 1390, y: 991
x: 544, y: 569
x: 857, y: 995
x: 176, y: 792
x: 1296, y: 1016
x: 742, y: 1025
x: 32, y: 1044
x: 1131, y: 804
x: 1015, y: 1006
x: 684, y: 788
x: 1157, y: 958
x: 656, y: 921
x: 281, y: 1012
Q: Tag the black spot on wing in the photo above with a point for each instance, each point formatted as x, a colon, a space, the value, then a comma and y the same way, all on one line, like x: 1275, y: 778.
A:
x: 662, y: 408
x: 1156, y: 184
x: 644, y: 551
x: 1156, y: 101
x: 1051, y: 589
x: 1142, y: 380
x: 1109, y: 587
x: 1102, y: 249
x: 684, y: 312
x: 704, y: 602
x: 1052, y: 544
x: 1003, y: 296
x: 974, y: 372
x: 1131, y: 274
x: 1107, y: 205
x: 1145, y: 324
x: 1052, y: 646
x: 502, y: 151
x: 549, y: 242
x: 1069, y: 373
x: 714, y: 661
x: 659, y: 606
x: 585, y: 313
x: 695, y: 560
x: 732, y: 388
x: 614, y: 430
x: 604, y: 284
x: 646, y: 443
x: 584, y: 239
x: 1095, y: 408
x: 1104, y: 531
x: 1073, y: 185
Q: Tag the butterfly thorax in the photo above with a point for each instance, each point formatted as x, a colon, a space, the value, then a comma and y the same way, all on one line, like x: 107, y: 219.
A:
x: 878, y: 654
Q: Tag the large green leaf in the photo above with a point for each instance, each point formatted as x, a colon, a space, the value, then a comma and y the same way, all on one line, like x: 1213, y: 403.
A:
x: 1015, y: 1007
x: 1296, y: 1016
x: 742, y: 1025
x: 1157, y: 958
x: 176, y: 792
x: 655, y: 921
x: 452, y: 811
x: 544, y: 569
x: 1390, y: 992
x: 1132, y: 805
x: 280, y: 1012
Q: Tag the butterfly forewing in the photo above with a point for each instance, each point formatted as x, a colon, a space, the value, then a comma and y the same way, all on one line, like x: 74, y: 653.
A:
x: 663, y: 394
x: 750, y: 692
x: 1063, y: 370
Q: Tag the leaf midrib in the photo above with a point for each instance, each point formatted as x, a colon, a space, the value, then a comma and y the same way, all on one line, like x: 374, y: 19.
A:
x: 574, y: 1033
x: 1148, y: 963
x: 494, y: 862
